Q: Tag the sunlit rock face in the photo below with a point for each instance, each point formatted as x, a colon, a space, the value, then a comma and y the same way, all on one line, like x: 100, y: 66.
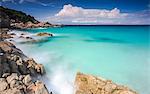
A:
x: 88, y: 84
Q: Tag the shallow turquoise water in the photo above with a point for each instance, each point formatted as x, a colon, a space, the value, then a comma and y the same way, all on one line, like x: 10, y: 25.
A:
x: 119, y: 53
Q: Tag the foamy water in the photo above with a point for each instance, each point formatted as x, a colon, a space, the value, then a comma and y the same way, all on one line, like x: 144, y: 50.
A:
x: 117, y: 53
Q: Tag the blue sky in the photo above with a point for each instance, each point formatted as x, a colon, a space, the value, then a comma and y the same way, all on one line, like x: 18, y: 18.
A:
x: 85, y: 11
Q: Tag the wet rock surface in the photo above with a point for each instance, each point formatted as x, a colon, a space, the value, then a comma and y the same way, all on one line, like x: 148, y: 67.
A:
x: 88, y: 84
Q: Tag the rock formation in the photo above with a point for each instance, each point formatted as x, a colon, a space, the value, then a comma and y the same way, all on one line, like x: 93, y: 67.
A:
x: 17, y: 71
x: 87, y: 84
x: 20, y: 84
x: 44, y: 34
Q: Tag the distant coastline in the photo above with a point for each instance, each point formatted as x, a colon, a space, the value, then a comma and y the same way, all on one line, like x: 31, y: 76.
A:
x: 111, y: 25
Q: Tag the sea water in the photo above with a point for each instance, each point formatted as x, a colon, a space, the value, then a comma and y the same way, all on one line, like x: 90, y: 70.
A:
x: 118, y: 53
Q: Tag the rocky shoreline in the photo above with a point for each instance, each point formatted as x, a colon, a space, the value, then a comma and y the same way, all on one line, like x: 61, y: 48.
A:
x: 26, y: 25
x: 18, y: 72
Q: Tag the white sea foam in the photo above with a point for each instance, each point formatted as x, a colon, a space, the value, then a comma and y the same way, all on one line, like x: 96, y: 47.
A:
x: 58, y: 78
x: 62, y: 81
x: 39, y: 28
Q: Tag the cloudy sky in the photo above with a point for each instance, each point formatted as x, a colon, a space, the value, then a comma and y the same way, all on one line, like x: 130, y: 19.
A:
x: 85, y: 11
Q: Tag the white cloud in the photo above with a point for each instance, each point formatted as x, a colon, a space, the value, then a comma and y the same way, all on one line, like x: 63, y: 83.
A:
x: 73, y: 15
x: 77, y: 15
x: 73, y: 11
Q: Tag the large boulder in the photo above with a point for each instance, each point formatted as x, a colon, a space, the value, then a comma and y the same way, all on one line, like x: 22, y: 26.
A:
x: 88, y: 84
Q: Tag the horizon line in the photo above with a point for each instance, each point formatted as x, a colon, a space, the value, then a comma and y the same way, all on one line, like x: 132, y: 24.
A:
x: 106, y: 25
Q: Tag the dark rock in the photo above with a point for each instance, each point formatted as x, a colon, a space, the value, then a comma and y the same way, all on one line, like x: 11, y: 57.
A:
x: 6, y: 68
x: 13, y: 67
x: 23, y: 69
x: 22, y: 34
x: 29, y: 38
x: 12, y: 34
x: 5, y: 20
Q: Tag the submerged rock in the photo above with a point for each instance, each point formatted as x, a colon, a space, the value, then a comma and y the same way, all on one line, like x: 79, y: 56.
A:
x: 44, y: 34
x: 88, y: 84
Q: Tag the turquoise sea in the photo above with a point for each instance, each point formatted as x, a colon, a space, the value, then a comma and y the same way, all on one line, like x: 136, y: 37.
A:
x: 118, y: 53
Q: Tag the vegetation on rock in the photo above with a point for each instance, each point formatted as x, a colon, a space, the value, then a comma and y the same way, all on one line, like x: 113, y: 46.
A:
x: 17, y: 16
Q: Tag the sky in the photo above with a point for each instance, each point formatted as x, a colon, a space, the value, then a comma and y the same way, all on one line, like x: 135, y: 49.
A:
x: 91, y: 12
